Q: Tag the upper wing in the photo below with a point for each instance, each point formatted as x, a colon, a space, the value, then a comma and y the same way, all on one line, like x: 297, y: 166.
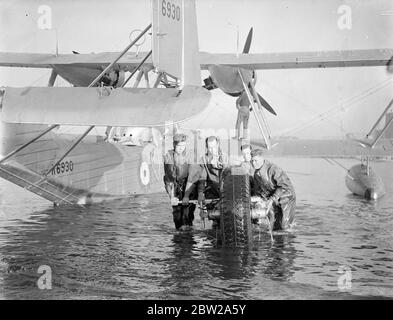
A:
x: 291, y: 60
x: 346, y: 148
x: 92, y: 60
x: 283, y: 60
x: 81, y: 106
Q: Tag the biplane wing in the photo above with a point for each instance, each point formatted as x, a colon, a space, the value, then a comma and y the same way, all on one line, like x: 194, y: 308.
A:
x: 291, y: 60
x: 90, y: 60
x: 80, y: 106
x: 259, y: 61
x: 329, y: 148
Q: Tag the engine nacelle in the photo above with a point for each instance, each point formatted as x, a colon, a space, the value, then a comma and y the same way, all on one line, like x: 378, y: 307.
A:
x: 228, y: 80
x: 363, y: 181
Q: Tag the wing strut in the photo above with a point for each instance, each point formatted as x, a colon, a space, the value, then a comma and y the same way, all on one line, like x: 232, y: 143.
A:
x: 70, y: 149
x: 372, y: 144
x: 52, y: 78
x: 380, y: 118
x: 120, y: 55
x: 257, y: 112
x: 9, y: 155
x: 258, y: 100
x: 137, y: 68
x: 91, y: 127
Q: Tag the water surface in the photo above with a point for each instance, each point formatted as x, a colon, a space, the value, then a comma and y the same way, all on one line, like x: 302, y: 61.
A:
x: 128, y: 249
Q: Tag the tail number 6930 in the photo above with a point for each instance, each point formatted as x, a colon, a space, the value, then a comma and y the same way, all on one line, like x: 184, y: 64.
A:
x: 170, y: 10
x: 66, y: 166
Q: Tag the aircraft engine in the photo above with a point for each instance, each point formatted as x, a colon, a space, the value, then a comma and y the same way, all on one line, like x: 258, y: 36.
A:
x: 363, y: 181
x: 83, y: 76
x: 227, y: 78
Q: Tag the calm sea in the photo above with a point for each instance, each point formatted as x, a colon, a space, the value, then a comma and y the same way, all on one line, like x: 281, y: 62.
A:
x: 129, y: 249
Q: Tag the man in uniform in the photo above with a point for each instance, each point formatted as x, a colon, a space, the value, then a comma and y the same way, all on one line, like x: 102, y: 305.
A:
x: 243, y: 106
x: 246, y: 150
x: 176, y: 167
x: 272, y: 184
x: 206, y: 176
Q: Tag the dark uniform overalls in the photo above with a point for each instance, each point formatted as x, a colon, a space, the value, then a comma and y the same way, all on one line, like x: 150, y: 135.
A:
x: 271, y: 182
x: 206, y: 178
x: 176, y: 169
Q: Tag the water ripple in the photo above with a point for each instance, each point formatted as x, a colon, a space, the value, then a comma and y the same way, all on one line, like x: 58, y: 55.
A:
x: 128, y: 249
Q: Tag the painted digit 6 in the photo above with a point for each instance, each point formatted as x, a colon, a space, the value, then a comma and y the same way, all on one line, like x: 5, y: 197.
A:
x: 163, y: 9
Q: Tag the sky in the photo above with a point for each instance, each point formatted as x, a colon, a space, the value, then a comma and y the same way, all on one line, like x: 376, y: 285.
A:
x: 298, y: 96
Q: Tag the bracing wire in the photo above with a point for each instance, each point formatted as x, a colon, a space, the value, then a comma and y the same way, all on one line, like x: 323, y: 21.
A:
x: 341, y: 106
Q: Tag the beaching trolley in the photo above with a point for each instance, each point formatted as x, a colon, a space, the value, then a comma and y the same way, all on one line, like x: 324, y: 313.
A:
x: 235, y: 213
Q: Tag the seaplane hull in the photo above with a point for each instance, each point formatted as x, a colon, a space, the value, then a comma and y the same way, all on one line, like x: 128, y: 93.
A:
x: 96, y: 170
x: 363, y: 181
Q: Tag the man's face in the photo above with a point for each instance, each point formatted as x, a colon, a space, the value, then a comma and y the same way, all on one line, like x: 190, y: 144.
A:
x: 180, y: 147
x: 246, y: 154
x: 113, y: 75
x: 212, y: 147
x: 257, y: 161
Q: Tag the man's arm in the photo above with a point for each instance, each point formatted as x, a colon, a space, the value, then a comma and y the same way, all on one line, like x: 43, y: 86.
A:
x: 195, y: 175
x: 284, y: 185
x: 238, y: 103
x: 168, y: 174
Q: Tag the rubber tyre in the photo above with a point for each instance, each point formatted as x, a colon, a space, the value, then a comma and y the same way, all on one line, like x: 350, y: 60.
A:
x: 235, y: 209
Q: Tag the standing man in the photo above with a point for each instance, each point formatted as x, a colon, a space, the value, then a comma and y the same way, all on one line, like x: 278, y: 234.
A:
x: 243, y: 106
x: 176, y: 167
x: 207, y: 175
x: 272, y: 184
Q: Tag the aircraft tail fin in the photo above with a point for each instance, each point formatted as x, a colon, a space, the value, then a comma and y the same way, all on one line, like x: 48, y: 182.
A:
x: 175, y: 40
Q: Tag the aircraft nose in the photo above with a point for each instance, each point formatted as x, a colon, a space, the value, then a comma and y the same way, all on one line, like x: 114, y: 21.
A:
x: 371, y: 194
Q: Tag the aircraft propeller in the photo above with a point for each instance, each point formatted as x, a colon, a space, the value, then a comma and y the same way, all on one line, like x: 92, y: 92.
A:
x: 228, y: 80
x: 247, y: 44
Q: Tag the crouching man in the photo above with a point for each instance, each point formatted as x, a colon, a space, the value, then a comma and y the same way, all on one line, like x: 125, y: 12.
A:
x: 272, y: 184
x: 176, y: 167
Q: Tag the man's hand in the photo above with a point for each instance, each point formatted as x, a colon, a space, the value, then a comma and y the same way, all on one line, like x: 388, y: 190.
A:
x: 174, y: 201
x: 185, y: 201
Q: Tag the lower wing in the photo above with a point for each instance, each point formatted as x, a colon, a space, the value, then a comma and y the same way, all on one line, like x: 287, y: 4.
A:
x: 103, y: 106
x: 346, y: 148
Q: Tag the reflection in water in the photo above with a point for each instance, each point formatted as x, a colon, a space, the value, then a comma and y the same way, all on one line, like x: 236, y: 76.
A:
x: 130, y: 249
x: 278, y: 260
x: 182, y: 263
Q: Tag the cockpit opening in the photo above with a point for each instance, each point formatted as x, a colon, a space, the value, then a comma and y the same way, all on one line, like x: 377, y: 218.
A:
x: 134, y: 136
